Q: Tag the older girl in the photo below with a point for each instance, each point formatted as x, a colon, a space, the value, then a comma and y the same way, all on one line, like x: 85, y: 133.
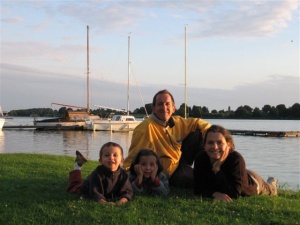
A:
x: 146, y: 175
x: 220, y: 171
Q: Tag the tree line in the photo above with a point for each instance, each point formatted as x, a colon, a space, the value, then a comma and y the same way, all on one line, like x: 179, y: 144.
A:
x: 242, y: 112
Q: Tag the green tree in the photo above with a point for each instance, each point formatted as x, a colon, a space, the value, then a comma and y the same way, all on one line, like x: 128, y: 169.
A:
x: 196, y: 111
x: 241, y: 112
x: 294, y: 111
x: 282, y: 111
x: 256, y: 113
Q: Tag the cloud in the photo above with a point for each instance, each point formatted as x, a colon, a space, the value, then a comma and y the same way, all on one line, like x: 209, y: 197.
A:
x: 22, y: 88
x: 245, y: 19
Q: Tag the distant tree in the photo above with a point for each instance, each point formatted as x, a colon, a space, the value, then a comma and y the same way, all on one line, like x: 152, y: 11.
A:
x: 294, y: 111
x: 204, y: 111
x: 256, y: 113
x: 248, y: 109
x: 282, y: 111
x: 149, y: 108
x: 273, y: 113
x: 62, y: 111
x: 196, y: 111
x: 266, y: 109
x: 180, y: 110
x: 241, y: 112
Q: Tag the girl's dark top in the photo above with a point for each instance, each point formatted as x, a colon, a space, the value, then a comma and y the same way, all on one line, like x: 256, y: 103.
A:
x: 232, y: 179
x: 105, y: 184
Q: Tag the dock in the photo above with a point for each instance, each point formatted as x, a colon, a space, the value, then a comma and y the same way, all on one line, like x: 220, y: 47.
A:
x: 266, y: 133
x: 21, y: 127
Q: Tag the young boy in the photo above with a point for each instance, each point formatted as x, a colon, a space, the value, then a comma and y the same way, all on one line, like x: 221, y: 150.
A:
x: 108, y: 183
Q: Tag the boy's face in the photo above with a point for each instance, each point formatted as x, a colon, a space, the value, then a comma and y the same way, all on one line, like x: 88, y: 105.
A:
x: 111, y: 158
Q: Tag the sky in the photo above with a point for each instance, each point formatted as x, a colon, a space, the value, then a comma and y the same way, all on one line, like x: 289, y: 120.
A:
x: 216, y: 54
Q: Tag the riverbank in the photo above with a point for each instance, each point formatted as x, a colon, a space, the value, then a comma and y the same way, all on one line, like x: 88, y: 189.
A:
x: 33, y: 192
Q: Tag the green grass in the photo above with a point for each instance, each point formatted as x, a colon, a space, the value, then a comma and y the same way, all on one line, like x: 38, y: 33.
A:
x: 32, y: 191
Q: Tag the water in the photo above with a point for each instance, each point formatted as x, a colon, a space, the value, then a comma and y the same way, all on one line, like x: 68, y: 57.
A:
x: 269, y: 156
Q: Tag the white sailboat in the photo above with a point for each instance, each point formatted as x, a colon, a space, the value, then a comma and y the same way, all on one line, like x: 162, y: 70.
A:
x: 2, y: 119
x: 117, y: 122
x: 72, y: 120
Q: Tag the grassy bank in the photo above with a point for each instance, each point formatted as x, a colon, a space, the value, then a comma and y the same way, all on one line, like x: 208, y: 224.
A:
x: 32, y: 191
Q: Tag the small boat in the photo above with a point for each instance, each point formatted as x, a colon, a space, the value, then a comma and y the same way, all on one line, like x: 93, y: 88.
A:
x: 72, y: 120
x: 2, y: 119
x: 117, y: 122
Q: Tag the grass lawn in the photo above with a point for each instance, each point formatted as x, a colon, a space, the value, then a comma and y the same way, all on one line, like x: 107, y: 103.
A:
x: 32, y: 191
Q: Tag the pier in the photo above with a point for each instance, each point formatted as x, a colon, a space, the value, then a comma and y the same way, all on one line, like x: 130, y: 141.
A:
x: 266, y: 133
x: 21, y: 127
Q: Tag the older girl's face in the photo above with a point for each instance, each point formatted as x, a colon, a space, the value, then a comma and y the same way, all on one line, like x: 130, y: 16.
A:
x: 216, y: 145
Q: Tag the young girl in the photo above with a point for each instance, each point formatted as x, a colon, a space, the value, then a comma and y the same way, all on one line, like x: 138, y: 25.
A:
x: 108, y: 183
x: 220, y: 172
x: 146, y: 175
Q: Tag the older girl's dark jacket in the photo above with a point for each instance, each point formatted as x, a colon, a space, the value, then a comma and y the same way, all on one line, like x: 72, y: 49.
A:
x: 232, y: 179
x: 105, y: 184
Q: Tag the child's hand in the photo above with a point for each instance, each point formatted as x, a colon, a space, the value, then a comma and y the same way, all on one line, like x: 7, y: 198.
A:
x: 139, y: 173
x: 138, y: 170
x: 154, y: 172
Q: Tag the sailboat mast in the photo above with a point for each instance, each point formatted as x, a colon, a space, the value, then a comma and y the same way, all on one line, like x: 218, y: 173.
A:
x: 88, y: 73
x: 185, y: 69
x: 128, y: 75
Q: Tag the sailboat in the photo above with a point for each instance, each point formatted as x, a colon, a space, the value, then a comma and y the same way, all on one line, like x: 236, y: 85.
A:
x: 2, y: 119
x: 117, y: 122
x: 72, y: 120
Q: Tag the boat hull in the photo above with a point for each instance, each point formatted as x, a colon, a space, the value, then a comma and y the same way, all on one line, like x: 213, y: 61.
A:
x: 2, y: 121
x: 113, y: 126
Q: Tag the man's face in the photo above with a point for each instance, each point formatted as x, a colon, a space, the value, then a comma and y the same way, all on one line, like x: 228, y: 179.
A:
x: 164, y: 107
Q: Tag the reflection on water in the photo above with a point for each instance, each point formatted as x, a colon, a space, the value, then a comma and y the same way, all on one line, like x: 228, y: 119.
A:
x: 279, y: 157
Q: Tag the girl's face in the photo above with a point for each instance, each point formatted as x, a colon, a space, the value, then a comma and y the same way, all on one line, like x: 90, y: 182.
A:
x: 147, y: 165
x: 111, y: 158
x: 216, y: 145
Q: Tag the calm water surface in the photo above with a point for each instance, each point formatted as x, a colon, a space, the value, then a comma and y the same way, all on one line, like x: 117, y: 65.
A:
x: 269, y: 156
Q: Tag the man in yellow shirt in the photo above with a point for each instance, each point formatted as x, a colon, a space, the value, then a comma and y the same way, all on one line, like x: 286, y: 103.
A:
x: 164, y: 134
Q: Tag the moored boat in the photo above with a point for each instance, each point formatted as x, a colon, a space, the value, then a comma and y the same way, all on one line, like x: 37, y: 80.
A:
x: 74, y: 120
x: 2, y: 119
x: 116, y: 123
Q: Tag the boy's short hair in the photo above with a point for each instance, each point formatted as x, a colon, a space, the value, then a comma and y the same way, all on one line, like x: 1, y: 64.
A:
x: 108, y: 144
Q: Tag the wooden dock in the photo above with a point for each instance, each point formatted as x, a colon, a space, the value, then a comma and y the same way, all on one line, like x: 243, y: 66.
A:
x: 25, y: 127
x: 266, y: 133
